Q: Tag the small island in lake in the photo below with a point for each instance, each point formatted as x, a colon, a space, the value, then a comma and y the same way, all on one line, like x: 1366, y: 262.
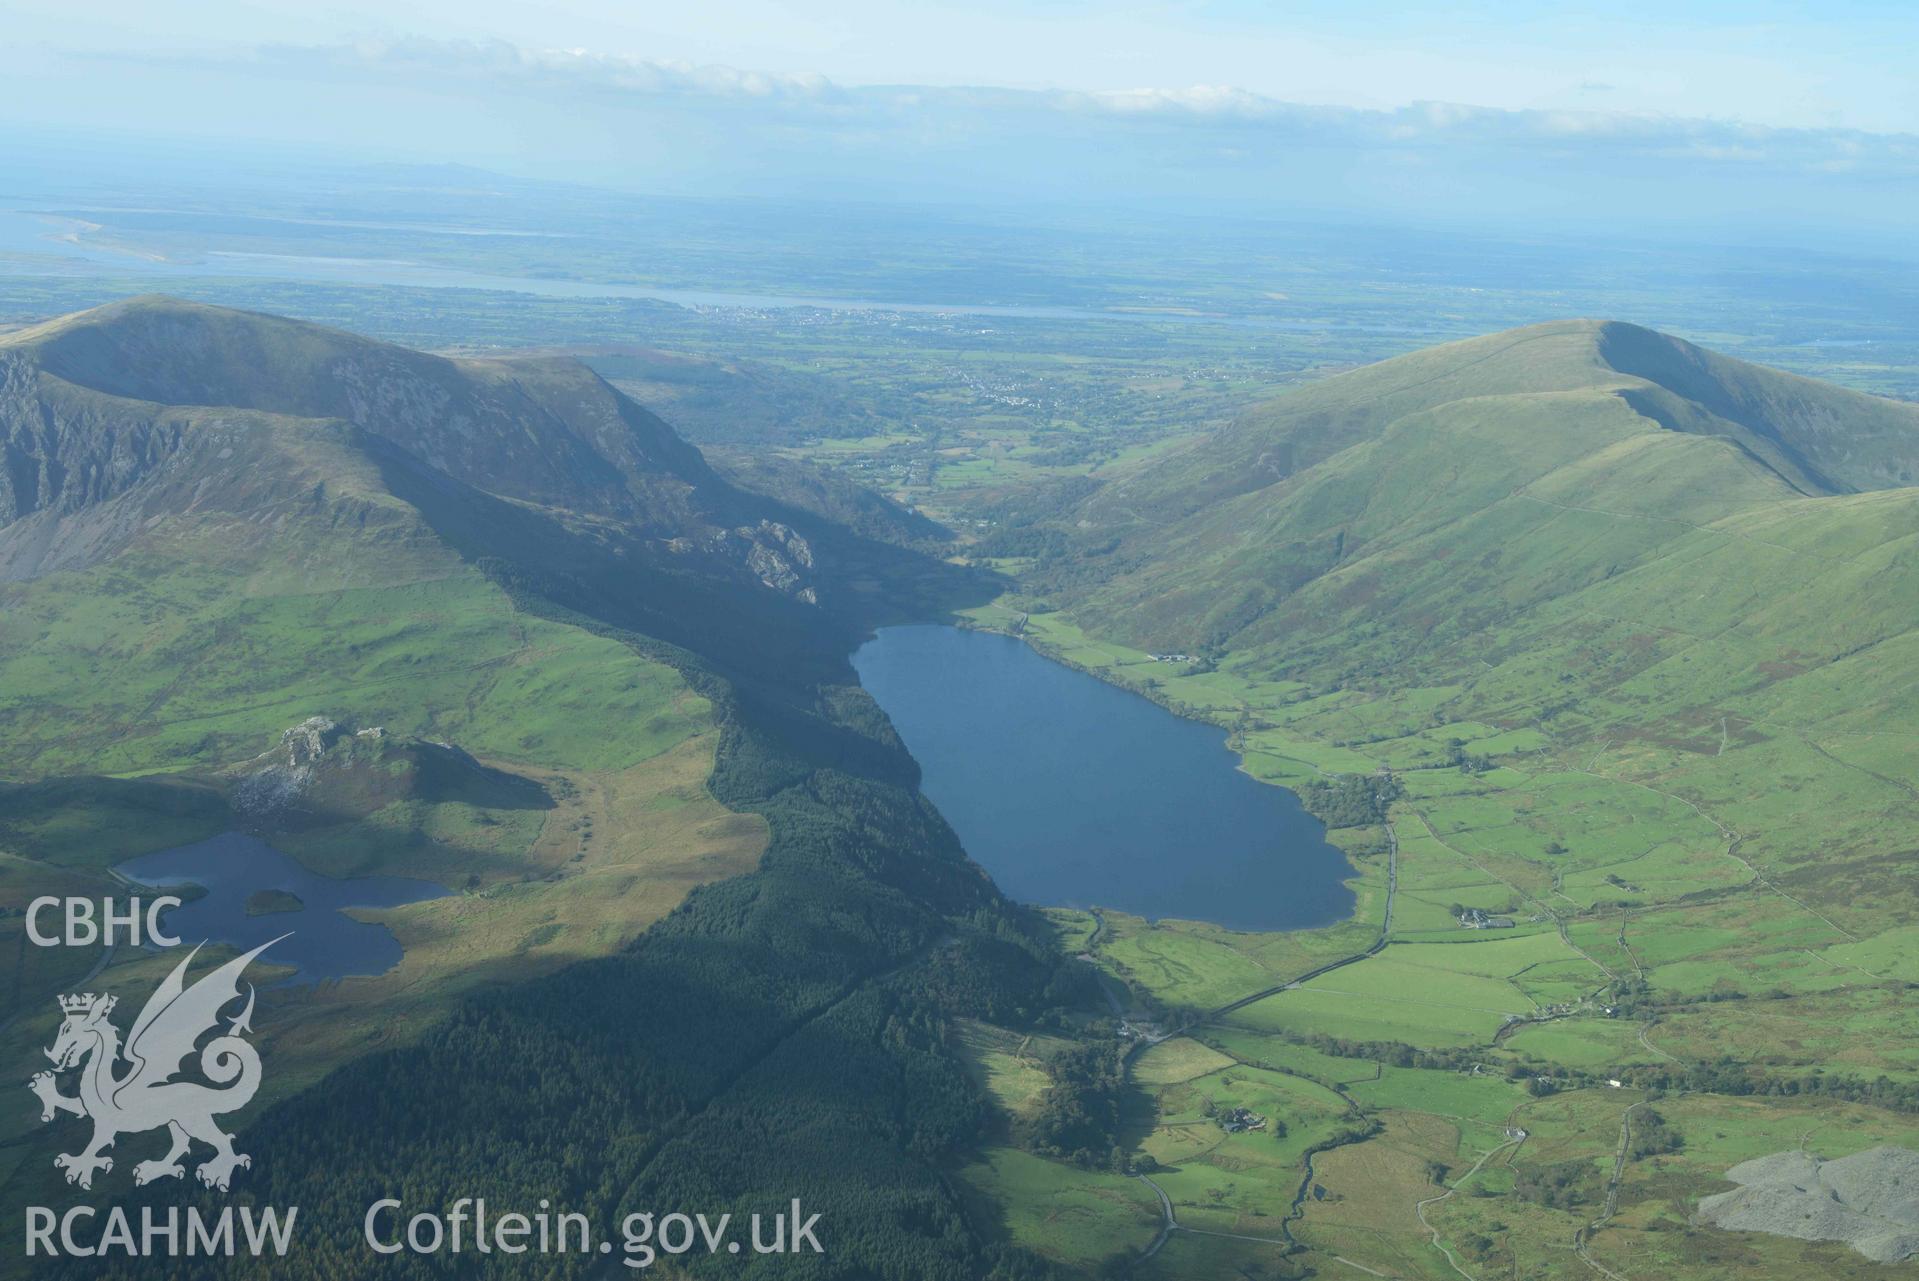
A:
x: 270, y: 902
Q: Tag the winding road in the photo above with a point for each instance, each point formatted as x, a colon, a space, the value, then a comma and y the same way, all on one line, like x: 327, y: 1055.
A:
x: 1169, y: 1224
x: 1378, y: 946
x: 1419, y: 1207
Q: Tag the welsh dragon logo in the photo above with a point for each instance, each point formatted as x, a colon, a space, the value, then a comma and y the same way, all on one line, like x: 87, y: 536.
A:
x: 145, y: 1096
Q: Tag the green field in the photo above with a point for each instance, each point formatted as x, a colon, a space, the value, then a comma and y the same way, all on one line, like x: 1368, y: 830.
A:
x: 1238, y: 1182
x: 1078, y: 1217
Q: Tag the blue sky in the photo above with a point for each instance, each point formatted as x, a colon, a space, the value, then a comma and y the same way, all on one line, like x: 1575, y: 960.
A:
x: 1843, y: 64
x: 1790, y: 114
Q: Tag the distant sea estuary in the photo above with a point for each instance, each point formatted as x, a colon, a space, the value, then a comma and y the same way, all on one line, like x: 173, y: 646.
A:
x: 39, y: 244
x: 1075, y: 793
x: 255, y: 893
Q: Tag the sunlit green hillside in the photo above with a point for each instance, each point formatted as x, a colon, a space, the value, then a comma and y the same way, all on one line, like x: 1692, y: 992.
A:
x: 1625, y: 634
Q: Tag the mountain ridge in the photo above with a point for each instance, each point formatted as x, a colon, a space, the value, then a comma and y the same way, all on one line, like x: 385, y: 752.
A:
x: 545, y: 430
x: 1291, y: 433
x: 340, y: 464
x: 119, y: 422
x: 1468, y: 456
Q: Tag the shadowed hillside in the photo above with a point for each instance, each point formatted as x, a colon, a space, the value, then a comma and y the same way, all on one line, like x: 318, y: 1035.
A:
x: 213, y: 436
x: 492, y: 625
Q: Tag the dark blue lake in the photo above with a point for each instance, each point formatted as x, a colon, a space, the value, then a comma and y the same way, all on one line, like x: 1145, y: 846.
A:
x: 233, y: 867
x: 1076, y: 793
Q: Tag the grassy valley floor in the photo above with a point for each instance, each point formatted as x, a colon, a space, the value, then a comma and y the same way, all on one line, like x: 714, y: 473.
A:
x: 1547, y: 1098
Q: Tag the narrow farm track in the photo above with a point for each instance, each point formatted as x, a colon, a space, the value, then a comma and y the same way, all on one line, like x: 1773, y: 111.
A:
x: 1582, y: 1237
x: 1234, y: 1236
x: 1558, y: 921
x: 1645, y: 1041
x: 1887, y: 779
x: 1625, y: 918
x: 1732, y: 848
x: 1379, y: 945
x: 1419, y: 1207
x: 1168, y: 1223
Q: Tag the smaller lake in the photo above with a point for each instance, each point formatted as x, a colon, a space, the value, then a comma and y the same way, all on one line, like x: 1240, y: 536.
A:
x: 1075, y: 793
x: 233, y: 868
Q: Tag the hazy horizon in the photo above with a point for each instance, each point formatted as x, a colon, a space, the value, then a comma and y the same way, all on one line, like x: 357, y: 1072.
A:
x: 1737, y: 121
